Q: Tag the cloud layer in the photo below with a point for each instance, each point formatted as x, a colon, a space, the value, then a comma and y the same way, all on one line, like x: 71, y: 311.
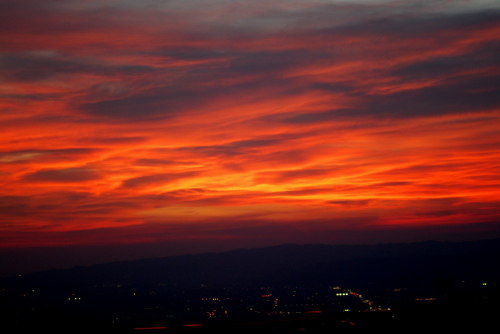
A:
x: 161, y: 121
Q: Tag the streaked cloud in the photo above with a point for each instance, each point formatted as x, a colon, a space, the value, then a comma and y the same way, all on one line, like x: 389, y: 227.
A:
x: 196, y: 119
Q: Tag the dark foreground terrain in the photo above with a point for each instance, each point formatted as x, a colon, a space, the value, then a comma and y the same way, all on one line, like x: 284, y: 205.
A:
x: 282, y: 289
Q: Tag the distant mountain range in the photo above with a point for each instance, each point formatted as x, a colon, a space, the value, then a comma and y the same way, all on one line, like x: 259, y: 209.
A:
x: 384, y: 265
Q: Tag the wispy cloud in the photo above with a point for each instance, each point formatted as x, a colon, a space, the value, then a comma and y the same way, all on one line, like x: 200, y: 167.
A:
x: 296, y: 118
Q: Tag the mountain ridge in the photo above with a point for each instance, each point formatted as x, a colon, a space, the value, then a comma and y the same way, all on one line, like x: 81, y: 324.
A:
x: 289, y: 263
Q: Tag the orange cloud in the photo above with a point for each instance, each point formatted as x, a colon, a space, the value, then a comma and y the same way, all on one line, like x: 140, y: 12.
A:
x: 323, y: 118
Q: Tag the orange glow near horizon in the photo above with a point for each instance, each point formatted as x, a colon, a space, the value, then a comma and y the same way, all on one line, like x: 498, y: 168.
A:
x: 126, y: 124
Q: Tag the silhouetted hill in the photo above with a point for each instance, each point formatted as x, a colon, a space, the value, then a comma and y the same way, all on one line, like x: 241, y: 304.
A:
x: 351, y: 265
x: 271, y: 289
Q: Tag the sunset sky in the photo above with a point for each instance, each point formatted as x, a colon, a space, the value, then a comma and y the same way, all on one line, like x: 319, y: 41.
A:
x: 134, y: 129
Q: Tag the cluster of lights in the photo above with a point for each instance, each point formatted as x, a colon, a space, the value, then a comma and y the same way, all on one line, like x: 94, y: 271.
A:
x: 360, y: 296
x: 341, y: 293
x: 425, y: 299
x: 74, y: 298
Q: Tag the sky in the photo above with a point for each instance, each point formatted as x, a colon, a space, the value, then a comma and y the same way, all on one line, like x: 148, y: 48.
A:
x: 134, y: 129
